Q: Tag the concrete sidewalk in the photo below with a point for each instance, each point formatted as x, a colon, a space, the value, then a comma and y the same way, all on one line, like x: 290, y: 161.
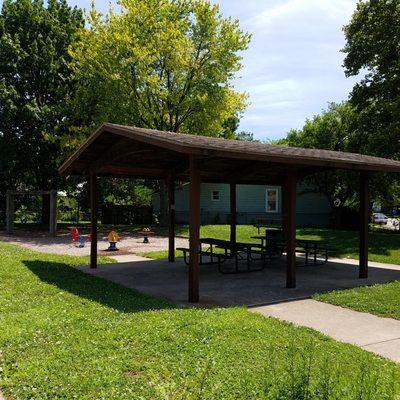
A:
x: 127, y: 258
x: 378, y: 335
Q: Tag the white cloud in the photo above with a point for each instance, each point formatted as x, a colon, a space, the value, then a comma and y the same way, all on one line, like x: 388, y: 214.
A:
x: 293, y: 67
x: 308, y: 9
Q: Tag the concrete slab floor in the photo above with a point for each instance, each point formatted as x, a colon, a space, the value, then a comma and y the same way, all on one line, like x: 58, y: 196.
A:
x: 166, y: 280
x: 372, y: 333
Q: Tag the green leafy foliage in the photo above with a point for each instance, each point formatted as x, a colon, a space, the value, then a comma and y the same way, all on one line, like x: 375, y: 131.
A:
x: 35, y: 85
x: 65, y: 334
x: 160, y: 64
x: 372, y: 51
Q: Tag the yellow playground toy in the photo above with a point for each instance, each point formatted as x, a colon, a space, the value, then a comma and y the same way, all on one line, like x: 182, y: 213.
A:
x: 113, y: 238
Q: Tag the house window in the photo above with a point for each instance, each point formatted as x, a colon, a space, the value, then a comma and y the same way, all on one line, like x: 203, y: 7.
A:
x: 272, y: 200
x: 215, y: 195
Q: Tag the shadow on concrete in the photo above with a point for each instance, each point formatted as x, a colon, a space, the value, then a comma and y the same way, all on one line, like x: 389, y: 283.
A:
x: 166, y: 280
x: 106, y: 293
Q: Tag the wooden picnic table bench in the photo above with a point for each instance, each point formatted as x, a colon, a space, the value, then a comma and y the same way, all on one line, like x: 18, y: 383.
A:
x: 237, y: 251
x: 311, y: 248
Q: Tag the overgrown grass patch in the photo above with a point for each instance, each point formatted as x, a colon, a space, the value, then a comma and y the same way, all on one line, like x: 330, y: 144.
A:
x: 380, y: 299
x: 66, y: 335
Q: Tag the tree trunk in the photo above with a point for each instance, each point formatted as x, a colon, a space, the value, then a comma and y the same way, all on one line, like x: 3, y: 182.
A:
x: 163, y: 203
x: 45, y: 212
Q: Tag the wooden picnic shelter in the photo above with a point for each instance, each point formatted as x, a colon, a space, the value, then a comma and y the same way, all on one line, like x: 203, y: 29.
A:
x: 125, y: 151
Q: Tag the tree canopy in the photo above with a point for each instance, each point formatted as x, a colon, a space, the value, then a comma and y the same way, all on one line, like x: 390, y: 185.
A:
x: 372, y: 52
x: 161, y: 64
x: 35, y: 84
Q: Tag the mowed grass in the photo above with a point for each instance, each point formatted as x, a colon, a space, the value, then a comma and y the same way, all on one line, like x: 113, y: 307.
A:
x: 68, y: 335
x: 383, y: 247
x: 381, y: 299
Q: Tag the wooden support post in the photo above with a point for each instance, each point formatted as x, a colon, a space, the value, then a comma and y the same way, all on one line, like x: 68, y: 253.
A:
x: 53, y: 213
x: 94, y: 215
x: 233, y: 212
x: 171, y: 218
x: 284, y: 209
x: 290, y: 225
x: 364, y: 217
x: 194, y: 230
x: 9, y: 211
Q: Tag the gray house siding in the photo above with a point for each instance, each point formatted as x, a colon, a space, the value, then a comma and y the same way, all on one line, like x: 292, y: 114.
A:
x: 312, y: 208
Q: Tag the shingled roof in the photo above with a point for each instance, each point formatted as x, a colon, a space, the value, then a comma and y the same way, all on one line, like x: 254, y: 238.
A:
x: 125, y: 150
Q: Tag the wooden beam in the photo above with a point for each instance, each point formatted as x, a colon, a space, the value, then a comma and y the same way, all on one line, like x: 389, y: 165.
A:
x: 53, y: 213
x: 171, y: 218
x: 244, y: 170
x: 93, y: 218
x: 99, y: 165
x: 248, y: 171
x: 290, y: 228
x: 133, y: 171
x: 364, y: 217
x: 233, y: 212
x: 181, y: 167
x: 120, y: 149
x: 194, y: 230
x: 29, y: 192
x: 9, y: 211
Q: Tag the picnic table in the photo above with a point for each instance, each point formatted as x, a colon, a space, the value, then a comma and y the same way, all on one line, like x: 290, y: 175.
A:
x: 268, y: 227
x: 309, y: 247
x: 270, y: 234
x: 313, y: 247
x: 238, y: 251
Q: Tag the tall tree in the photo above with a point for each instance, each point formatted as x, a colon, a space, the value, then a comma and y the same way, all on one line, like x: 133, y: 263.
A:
x: 163, y: 64
x: 35, y: 85
x: 334, y: 129
x: 372, y: 51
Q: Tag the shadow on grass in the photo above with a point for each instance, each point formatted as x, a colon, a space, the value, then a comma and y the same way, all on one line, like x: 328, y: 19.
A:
x: 96, y: 289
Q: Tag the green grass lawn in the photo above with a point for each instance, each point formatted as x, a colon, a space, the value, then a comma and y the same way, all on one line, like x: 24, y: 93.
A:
x: 383, y: 247
x: 382, y: 299
x: 68, y: 335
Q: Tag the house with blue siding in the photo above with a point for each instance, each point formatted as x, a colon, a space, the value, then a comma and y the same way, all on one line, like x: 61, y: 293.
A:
x: 254, y: 203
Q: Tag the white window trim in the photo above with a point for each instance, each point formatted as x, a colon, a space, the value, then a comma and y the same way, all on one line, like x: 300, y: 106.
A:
x: 277, y: 200
x: 212, y: 195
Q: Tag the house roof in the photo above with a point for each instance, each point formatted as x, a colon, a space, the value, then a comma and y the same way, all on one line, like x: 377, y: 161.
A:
x: 117, y: 150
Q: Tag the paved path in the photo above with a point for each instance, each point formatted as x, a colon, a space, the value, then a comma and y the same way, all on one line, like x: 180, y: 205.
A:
x: 127, y: 258
x: 372, y: 333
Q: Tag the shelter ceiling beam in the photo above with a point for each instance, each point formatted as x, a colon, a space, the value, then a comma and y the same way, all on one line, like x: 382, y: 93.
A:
x: 119, y: 150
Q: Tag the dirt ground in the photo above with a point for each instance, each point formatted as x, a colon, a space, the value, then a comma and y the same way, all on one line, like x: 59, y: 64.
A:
x: 130, y: 243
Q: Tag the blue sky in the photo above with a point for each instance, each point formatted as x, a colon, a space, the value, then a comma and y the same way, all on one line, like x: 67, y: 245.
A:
x: 293, y: 67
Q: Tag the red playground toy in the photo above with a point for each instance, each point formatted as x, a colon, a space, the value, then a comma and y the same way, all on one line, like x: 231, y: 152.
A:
x: 77, y: 238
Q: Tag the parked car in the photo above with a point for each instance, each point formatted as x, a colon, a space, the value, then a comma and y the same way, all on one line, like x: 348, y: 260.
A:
x: 380, y: 218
